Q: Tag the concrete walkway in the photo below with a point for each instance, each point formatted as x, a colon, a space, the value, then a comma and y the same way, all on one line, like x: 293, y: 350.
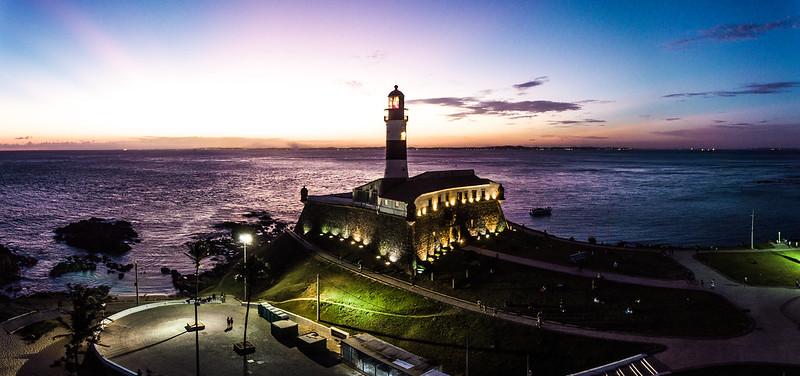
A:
x: 16, y: 323
x: 156, y: 339
x: 775, y: 339
x: 588, y: 273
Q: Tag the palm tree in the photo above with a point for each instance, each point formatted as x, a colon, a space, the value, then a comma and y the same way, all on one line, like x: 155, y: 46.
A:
x: 88, y: 307
x: 197, y: 252
x: 258, y: 270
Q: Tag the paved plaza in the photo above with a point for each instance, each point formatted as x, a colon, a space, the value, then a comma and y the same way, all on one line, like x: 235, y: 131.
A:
x: 156, y: 340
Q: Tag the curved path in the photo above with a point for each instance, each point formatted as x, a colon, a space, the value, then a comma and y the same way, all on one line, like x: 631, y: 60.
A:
x: 775, y: 339
x: 588, y: 273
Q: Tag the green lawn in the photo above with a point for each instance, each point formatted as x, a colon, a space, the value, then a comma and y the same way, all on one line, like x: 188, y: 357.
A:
x: 767, y: 268
x: 632, y: 262
x: 34, y: 331
x: 517, y: 288
x: 656, y: 311
x: 437, y: 331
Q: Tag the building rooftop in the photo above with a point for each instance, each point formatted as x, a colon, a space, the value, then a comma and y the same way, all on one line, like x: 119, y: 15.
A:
x: 432, y: 181
x: 389, y: 354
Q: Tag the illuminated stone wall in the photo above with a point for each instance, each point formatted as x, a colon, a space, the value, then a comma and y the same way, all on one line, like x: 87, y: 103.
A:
x: 396, y: 239
x: 384, y: 234
x: 451, y: 224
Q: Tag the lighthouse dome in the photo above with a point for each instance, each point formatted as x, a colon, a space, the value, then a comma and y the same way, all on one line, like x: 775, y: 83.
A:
x: 396, y: 93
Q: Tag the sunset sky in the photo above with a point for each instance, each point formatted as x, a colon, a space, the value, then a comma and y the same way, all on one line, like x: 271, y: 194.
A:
x: 166, y: 74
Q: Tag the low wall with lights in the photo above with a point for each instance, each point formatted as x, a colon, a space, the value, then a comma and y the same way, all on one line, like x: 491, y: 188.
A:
x: 450, y: 225
x: 383, y: 234
x: 394, y: 237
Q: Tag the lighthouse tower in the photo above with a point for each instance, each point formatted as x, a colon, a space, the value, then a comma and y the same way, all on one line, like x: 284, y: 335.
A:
x: 395, y: 118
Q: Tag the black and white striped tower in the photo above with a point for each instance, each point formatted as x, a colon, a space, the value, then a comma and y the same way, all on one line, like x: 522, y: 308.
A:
x: 396, y: 119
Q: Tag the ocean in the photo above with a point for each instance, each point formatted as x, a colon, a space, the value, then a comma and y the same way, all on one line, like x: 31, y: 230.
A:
x: 685, y: 198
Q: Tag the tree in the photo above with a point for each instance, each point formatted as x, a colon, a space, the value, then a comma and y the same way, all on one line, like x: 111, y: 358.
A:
x: 256, y: 271
x: 197, y: 252
x: 88, y: 309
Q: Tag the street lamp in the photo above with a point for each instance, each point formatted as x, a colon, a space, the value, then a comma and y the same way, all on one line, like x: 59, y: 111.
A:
x: 246, y: 239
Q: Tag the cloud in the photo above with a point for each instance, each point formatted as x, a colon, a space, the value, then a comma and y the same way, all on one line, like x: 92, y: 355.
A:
x: 23, y: 138
x: 354, y: 84
x: 672, y: 119
x: 591, y: 137
x: 373, y: 57
x: 584, y: 122
x: 594, y: 101
x: 469, y: 106
x: 532, y: 83
x: 756, y: 88
x: 735, y: 32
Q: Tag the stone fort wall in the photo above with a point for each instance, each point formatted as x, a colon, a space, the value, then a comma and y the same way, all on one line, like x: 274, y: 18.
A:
x: 393, y: 236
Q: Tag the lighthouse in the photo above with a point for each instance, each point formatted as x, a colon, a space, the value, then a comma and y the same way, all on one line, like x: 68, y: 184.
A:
x: 395, y: 118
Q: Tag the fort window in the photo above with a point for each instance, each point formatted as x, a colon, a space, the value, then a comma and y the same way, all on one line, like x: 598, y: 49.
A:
x: 483, y: 194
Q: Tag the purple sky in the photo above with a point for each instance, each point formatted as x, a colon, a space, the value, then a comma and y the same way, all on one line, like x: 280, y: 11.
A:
x: 154, y: 74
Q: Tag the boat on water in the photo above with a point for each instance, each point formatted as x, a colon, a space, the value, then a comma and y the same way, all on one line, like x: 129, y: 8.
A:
x: 541, y: 212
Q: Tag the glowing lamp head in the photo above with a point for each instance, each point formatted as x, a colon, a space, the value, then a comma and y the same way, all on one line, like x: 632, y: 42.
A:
x: 246, y: 239
x: 395, y: 108
x: 396, y: 99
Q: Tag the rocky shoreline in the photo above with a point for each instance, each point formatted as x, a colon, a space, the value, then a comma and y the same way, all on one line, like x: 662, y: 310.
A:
x: 11, y: 264
x: 99, y: 235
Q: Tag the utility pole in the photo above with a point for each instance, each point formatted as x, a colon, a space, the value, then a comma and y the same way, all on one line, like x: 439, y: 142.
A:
x: 752, y: 227
x: 136, y: 280
x: 528, y: 365
x: 466, y: 368
x: 244, y: 244
x: 317, y: 297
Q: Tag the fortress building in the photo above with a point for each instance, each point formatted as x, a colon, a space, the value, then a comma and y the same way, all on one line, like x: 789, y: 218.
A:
x: 407, y: 220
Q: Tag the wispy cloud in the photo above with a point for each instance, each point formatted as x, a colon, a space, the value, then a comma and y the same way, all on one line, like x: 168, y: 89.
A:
x: 376, y: 56
x: 594, y: 101
x: 23, y: 138
x: 755, y: 88
x: 584, y: 122
x: 672, y: 119
x: 471, y: 106
x: 734, y: 32
x: 355, y: 84
x: 532, y: 83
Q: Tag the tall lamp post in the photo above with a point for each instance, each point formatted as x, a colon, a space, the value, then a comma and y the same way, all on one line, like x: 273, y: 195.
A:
x: 246, y: 239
